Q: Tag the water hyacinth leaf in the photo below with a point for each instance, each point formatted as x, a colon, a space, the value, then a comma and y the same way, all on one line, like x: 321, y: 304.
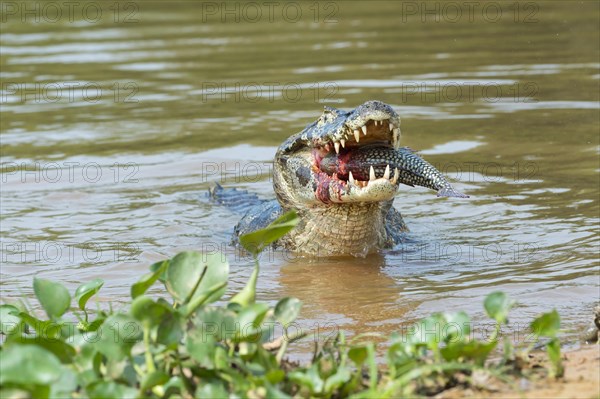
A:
x: 53, y: 297
x: 183, y: 275
x: 148, y: 279
x: 49, y: 328
x: 216, y: 321
x: 153, y: 379
x: 170, y: 330
x: 119, y: 333
x: 457, y: 327
x: 211, y: 389
x: 553, y: 349
x: 546, y: 325
x: 275, y: 376
x: 310, y: 379
x: 202, y: 348
x: 335, y: 381
x: 248, y: 294
x: 497, y: 305
x: 217, y: 273
x: 160, y: 265
x: 28, y: 365
x: 248, y: 322
x: 63, y: 351
x: 192, y: 276
x: 66, y: 384
x: 428, y: 331
x: 86, y: 291
x: 10, y: 321
x: 174, y: 386
x: 287, y: 310
x: 146, y: 310
x: 256, y: 241
x: 471, y: 350
x: 109, y: 389
x: 358, y: 355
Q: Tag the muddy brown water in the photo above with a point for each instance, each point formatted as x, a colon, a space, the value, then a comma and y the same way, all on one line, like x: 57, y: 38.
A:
x: 114, y: 125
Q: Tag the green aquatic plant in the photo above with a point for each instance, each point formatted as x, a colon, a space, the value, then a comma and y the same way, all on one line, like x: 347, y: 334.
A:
x: 194, y: 344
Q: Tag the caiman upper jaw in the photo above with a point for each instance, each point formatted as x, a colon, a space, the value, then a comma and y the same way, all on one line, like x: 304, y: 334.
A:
x: 377, y: 122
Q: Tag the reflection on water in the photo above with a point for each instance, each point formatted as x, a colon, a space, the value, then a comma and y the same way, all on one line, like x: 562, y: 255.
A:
x: 112, y: 133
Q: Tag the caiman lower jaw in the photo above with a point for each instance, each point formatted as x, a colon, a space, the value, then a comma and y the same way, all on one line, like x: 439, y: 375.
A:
x: 334, y: 190
x: 342, y: 187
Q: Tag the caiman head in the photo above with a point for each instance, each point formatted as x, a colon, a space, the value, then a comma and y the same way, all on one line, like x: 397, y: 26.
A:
x: 353, y: 207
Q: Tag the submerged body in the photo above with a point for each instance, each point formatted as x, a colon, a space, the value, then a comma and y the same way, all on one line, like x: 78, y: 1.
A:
x: 337, y: 174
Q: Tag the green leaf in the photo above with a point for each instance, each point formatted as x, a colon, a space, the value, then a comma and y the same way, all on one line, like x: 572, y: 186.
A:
x: 248, y: 294
x: 202, y: 348
x: 211, y: 389
x: 192, y: 275
x: 472, y: 350
x: 49, y: 328
x: 358, y: 355
x: 146, y: 310
x: 248, y: 322
x: 65, y: 386
x: 546, y: 325
x: 10, y: 322
x: 341, y: 376
x: 118, y: 334
x: 457, y: 327
x: 55, y: 298
x: 63, y: 351
x: 497, y: 305
x: 28, y: 365
x: 183, y: 275
x: 309, y: 379
x: 147, y: 280
x: 153, y: 379
x: 553, y: 348
x: 216, y: 321
x: 256, y: 241
x: 109, y: 389
x: 287, y: 310
x: 86, y: 291
x: 170, y: 330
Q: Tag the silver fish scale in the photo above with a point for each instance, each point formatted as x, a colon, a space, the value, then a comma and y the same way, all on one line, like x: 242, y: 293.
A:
x: 413, y: 170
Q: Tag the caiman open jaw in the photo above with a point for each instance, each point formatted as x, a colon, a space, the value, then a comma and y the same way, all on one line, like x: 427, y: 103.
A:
x: 300, y: 179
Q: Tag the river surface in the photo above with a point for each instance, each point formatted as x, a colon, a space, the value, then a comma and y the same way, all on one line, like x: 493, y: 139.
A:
x: 114, y: 126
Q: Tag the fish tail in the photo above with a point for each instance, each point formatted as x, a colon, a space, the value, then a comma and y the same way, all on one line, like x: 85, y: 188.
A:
x: 449, y: 191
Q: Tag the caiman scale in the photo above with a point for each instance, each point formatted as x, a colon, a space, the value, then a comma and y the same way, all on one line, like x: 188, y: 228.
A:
x: 340, y: 214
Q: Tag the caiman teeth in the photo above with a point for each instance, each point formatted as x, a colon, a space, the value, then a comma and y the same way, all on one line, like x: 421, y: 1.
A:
x: 337, y: 147
x: 371, y: 173
x: 343, y: 143
x: 391, y: 127
x: 396, y: 131
x: 396, y: 175
x: 364, y: 129
x: 351, y: 178
x: 327, y: 147
x: 357, y: 135
x: 386, y: 174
